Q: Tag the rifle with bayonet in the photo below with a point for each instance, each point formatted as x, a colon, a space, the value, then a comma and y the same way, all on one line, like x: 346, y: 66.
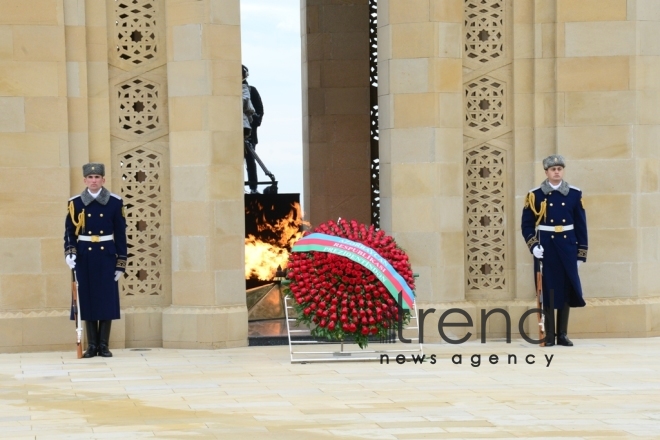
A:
x: 75, y: 306
x: 539, y: 304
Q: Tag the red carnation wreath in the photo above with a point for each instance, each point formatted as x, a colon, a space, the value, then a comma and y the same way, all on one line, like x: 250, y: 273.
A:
x: 339, y: 299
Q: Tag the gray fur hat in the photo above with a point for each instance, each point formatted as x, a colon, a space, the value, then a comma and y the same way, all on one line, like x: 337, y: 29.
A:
x: 93, y: 168
x: 554, y: 160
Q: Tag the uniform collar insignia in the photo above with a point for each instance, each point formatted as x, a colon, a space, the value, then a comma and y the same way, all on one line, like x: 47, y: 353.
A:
x: 101, y: 198
x: 564, y: 187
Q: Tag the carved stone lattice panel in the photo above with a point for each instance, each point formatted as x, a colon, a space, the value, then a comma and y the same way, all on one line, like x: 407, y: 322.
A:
x: 136, y: 33
x: 485, y: 106
x: 485, y: 216
x: 484, y: 31
x: 141, y: 179
x: 138, y: 109
x: 374, y: 132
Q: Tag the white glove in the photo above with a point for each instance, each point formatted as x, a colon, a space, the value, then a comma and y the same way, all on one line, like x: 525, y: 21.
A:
x: 538, y: 251
x: 70, y: 261
x: 118, y: 274
x: 580, y: 262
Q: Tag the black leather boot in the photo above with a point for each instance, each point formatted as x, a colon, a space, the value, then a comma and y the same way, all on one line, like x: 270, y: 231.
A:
x: 549, y: 327
x: 104, y: 338
x: 562, y: 326
x: 91, y: 328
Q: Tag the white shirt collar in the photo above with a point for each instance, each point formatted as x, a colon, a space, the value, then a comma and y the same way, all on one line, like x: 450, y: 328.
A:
x: 555, y: 186
x: 95, y: 195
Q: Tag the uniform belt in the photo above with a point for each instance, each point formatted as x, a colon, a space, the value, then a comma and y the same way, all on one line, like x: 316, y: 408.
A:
x: 95, y: 238
x: 559, y: 228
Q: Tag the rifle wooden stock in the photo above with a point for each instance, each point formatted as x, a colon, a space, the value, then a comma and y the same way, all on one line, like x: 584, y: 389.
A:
x: 539, y: 293
x: 76, y: 312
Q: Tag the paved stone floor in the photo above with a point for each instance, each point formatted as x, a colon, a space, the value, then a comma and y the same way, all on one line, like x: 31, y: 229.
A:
x: 599, y: 389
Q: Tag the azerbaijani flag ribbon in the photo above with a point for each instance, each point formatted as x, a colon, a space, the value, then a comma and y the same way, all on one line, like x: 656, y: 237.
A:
x: 364, y: 256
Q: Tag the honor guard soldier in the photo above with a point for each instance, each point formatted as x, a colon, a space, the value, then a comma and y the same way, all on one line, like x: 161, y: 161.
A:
x: 554, y: 226
x: 95, y: 247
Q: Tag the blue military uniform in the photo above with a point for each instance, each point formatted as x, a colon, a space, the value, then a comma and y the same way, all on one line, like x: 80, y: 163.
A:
x: 556, y: 220
x: 95, y: 231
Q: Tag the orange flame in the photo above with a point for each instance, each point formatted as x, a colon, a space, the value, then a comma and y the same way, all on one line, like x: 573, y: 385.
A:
x: 262, y: 259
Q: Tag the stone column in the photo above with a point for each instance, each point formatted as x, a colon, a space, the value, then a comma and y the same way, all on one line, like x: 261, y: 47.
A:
x: 420, y: 105
x: 204, y: 85
x: 34, y: 177
x: 335, y: 76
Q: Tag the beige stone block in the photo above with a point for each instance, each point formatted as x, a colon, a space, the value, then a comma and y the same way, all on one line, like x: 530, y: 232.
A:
x: 181, y: 12
x: 23, y: 291
x: 647, y: 139
x: 648, y: 175
x: 346, y: 101
x: 593, y: 73
x: 226, y: 147
x: 192, y: 289
x: 648, y: 243
x: 415, y: 110
x: 450, y: 40
x: 226, y: 182
x: 612, y: 245
x: 39, y: 43
x: 647, y: 69
x: 189, y: 253
x: 58, y: 288
x: 447, y: 11
x: 409, y: 11
x: 452, y: 245
x: 606, y: 38
x: 591, y: 10
x: 647, y: 10
x: 229, y: 217
x: 448, y: 144
x: 449, y: 179
x: 12, y: 114
x: 39, y: 150
x: 225, y: 113
x: 449, y: 215
x: 649, y: 33
x: 543, y: 75
x: 412, y: 145
x: 50, y: 115
x: 195, y: 148
x: 589, y: 319
x: 608, y: 210
x: 189, y: 78
x: 649, y: 210
x: 525, y: 75
x: 222, y: 42
x: 11, y: 330
x: 523, y: 12
x: 179, y: 328
x: 187, y: 42
x: 226, y: 12
x: 227, y: 78
x: 190, y: 218
x: 19, y: 185
x: 6, y: 43
x: 446, y: 109
x: 422, y: 249
x: 189, y: 183
x: 42, y: 331
x: 446, y: 75
x: 596, y: 142
x: 627, y: 319
x: 449, y: 283
x: 29, y: 78
x: 52, y: 252
x: 186, y: 113
x: 595, y: 176
x: 39, y: 12
x: 413, y: 40
x: 647, y: 109
x: 342, y: 18
x: 344, y: 73
x: 144, y: 329
x: 600, y: 108
x: 414, y: 179
x: 97, y: 44
x: 409, y: 75
x: 413, y: 214
x: 647, y: 280
x: 606, y: 280
x: 228, y: 252
x: 523, y: 46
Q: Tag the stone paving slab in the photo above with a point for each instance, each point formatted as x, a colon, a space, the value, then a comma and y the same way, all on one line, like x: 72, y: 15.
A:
x: 599, y: 389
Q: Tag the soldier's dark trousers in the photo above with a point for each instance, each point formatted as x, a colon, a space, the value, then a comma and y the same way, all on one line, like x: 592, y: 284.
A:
x: 562, y: 326
x: 549, y: 326
x: 104, y: 338
x: 92, y: 331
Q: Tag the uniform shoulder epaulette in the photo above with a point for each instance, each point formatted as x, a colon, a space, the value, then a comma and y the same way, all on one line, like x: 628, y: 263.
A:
x: 534, y: 189
x: 115, y: 196
x: 574, y: 187
x: 74, y: 197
